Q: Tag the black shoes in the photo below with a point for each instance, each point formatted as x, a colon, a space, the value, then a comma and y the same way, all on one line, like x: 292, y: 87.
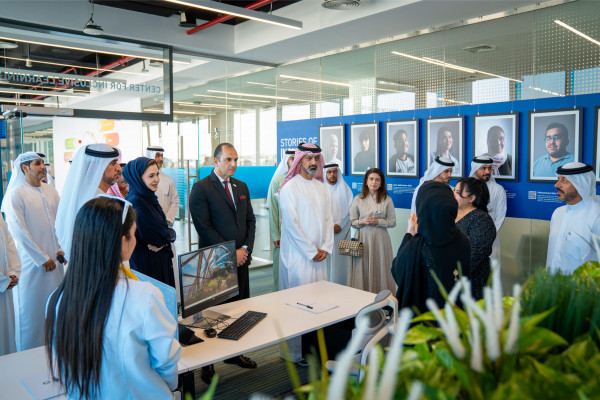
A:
x: 241, y: 361
x: 207, y: 373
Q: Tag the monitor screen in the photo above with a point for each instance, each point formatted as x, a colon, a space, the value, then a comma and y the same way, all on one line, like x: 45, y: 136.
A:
x: 207, y: 277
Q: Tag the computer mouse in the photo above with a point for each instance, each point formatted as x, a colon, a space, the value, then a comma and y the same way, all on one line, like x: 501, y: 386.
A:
x: 210, y: 332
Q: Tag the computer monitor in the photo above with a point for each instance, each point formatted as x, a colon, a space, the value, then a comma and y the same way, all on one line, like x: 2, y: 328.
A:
x: 207, y: 277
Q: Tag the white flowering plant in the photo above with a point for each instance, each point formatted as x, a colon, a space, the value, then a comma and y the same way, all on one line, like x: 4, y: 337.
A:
x: 487, y: 349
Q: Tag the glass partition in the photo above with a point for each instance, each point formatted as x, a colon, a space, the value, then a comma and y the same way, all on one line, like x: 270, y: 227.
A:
x: 59, y: 73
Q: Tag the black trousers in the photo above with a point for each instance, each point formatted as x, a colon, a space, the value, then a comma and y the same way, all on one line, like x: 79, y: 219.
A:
x: 243, y: 283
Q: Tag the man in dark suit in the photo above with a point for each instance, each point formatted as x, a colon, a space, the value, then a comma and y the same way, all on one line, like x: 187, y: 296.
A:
x: 221, y: 210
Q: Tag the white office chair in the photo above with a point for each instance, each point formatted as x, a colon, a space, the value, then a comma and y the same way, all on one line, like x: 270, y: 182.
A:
x: 377, y: 331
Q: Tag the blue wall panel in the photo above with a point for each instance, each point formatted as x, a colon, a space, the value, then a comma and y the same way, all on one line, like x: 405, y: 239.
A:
x: 256, y: 178
x: 520, y: 205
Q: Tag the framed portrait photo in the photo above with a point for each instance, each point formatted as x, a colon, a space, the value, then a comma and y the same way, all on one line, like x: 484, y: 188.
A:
x: 496, y: 136
x: 331, y: 141
x: 402, y: 148
x: 445, y: 139
x: 363, y: 147
x: 554, y: 140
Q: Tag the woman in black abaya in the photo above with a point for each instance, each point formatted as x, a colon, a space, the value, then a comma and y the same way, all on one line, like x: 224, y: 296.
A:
x: 152, y: 255
x: 437, y: 245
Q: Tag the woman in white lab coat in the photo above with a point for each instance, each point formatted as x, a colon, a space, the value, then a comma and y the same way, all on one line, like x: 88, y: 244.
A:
x: 107, y: 334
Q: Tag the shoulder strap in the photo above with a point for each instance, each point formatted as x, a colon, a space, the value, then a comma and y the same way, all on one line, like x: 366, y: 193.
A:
x: 347, y: 232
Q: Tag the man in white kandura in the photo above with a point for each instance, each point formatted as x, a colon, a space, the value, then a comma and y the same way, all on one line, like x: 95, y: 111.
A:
x: 94, y: 169
x: 306, y: 226
x: 571, y: 227
x: 30, y: 207
x: 481, y: 168
x: 48, y: 178
x: 341, y: 200
x: 440, y: 170
x: 274, y: 213
x: 10, y: 270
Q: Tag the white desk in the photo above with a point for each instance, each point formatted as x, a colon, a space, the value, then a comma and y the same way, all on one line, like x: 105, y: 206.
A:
x: 282, y: 321
x: 15, y: 366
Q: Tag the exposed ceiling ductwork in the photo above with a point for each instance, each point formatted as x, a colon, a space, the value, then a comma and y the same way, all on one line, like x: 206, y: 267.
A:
x: 340, y: 4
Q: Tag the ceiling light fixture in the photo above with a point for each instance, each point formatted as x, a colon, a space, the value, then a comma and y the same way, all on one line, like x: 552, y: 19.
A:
x: 90, y: 27
x: 262, y: 84
x: 583, y: 35
x: 186, y: 19
x: 28, y: 63
x: 144, y: 70
x: 315, y: 80
x: 7, y: 44
x: 68, y: 65
x: 61, y: 46
x: 261, y: 96
x: 210, y: 105
x: 232, y: 98
x: 22, y: 101
x: 452, y: 66
x: 223, y: 8
x: 454, y: 101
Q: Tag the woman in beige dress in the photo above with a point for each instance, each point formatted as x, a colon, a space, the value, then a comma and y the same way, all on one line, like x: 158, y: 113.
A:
x: 372, y: 213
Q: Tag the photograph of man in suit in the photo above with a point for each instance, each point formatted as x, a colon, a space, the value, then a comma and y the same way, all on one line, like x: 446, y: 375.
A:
x: 401, y: 161
x: 221, y: 211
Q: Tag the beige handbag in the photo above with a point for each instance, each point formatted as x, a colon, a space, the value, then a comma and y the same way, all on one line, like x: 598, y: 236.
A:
x: 353, y: 248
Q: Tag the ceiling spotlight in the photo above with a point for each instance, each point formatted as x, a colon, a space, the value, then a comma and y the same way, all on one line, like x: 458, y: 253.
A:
x: 90, y: 27
x: 6, y: 44
x: 28, y: 63
x: 186, y: 19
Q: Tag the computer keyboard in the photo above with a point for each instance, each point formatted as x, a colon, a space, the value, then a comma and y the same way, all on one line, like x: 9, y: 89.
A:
x: 242, y: 325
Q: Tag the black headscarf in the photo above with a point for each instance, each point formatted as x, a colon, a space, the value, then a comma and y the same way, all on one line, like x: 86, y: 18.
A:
x: 132, y: 173
x: 436, y: 212
x: 152, y: 227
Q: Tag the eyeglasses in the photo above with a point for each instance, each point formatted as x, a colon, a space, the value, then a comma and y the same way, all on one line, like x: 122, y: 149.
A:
x: 126, y: 206
x: 553, y: 137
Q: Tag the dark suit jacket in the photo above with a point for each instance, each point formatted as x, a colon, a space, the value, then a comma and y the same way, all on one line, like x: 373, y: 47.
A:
x: 215, y: 218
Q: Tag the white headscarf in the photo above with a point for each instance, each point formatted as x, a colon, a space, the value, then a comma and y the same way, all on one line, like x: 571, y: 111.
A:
x: 82, y: 180
x: 50, y: 178
x: 282, y: 169
x: 584, y: 182
x: 17, y: 178
x: 152, y: 150
x: 341, y: 196
x: 479, y: 162
x: 435, y: 169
